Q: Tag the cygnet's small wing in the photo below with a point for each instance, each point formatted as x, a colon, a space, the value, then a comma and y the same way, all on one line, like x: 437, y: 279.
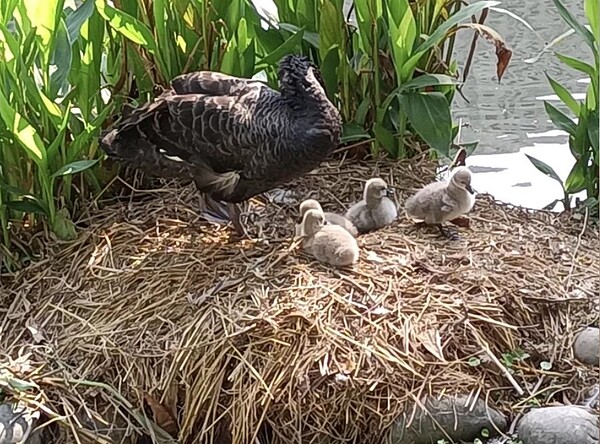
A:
x: 360, y: 215
x: 425, y: 201
x: 335, y: 246
x: 344, y: 222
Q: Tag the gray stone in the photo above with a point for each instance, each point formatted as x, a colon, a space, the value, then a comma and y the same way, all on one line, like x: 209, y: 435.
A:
x: 587, y: 346
x: 558, y: 425
x: 17, y: 423
x: 453, y: 414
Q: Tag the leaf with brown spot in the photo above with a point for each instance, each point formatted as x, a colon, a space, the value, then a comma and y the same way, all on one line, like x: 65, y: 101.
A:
x: 503, y: 54
x: 162, y: 417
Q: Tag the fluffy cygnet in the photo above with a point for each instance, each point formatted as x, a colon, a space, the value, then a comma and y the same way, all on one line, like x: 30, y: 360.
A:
x: 331, y: 218
x: 376, y: 209
x: 439, y: 202
x: 328, y: 243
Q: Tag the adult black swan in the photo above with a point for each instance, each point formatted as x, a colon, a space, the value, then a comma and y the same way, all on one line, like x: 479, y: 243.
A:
x: 234, y: 137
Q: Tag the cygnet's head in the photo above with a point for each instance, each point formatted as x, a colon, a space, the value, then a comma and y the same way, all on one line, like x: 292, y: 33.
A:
x: 376, y: 189
x: 309, y: 204
x: 312, y: 221
x: 462, y: 179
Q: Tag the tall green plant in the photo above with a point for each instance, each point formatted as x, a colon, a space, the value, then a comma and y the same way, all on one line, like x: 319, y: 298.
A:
x: 583, y: 133
x: 51, y: 109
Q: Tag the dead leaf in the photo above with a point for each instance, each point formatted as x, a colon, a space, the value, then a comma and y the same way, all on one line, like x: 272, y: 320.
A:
x: 463, y: 222
x: 432, y: 341
x: 503, y: 54
x: 35, y: 332
x: 162, y: 417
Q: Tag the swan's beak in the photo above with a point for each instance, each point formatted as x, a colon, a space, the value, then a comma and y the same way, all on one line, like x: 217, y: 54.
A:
x: 389, y: 192
x: 470, y: 189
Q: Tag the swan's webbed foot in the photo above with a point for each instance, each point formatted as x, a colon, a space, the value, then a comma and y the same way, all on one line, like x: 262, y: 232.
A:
x: 450, y: 235
x: 235, y: 214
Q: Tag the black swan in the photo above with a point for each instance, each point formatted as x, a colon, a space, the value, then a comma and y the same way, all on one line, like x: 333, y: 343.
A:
x: 234, y: 137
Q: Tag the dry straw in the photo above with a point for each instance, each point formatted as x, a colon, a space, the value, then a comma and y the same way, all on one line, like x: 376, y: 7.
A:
x: 157, y: 318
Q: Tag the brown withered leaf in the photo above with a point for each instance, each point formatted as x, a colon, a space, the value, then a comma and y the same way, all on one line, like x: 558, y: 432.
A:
x: 462, y: 222
x: 162, y: 416
x: 503, y: 53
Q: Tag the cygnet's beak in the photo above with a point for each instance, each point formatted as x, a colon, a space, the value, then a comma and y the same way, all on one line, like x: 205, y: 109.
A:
x: 470, y: 189
x: 389, y: 192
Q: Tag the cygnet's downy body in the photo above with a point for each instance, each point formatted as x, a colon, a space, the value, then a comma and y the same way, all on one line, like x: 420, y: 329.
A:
x: 328, y: 243
x: 439, y: 202
x: 330, y: 218
x: 376, y: 210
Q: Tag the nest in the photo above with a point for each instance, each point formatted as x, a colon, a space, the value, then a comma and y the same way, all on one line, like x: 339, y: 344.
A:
x: 164, y: 324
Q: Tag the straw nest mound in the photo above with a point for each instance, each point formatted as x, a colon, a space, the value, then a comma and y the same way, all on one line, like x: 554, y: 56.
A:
x: 164, y: 319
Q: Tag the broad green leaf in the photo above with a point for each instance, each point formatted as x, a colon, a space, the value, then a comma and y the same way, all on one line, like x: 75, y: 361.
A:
x: 288, y: 47
x: 566, y: 15
x: 422, y: 81
x: 44, y: 15
x: 329, y: 72
x: 25, y: 134
x: 576, y: 180
x: 62, y: 130
x: 592, y: 13
x: 564, y: 95
x: 385, y: 137
x: 164, y: 39
x: 128, y: 26
x: 309, y: 37
x: 63, y: 227
x: 576, y: 64
x: 429, y: 114
x: 593, y: 134
x: 75, y: 167
x: 562, y: 121
x: 544, y: 168
x: 7, y: 8
x: 26, y: 206
x: 352, y: 132
x: 331, y: 28
x: 77, y: 18
x: 439, y: 34
x: 61, y: 58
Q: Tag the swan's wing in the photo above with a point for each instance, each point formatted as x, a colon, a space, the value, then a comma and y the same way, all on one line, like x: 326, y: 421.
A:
x: 212, y: 83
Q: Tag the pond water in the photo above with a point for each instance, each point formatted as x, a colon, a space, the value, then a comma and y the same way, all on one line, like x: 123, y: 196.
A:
x: 509, y: 118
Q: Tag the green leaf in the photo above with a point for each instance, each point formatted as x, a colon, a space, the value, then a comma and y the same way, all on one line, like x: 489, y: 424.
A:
x: 576, y: 64
x: 440, y: 32
x: 385, y: 138
x: 560, y: 119
x: 25, y: 134
x: 593, y: 15
x: 593, y: 134
x: 544, y: 168
x: 77, y: 18
x: 329, y: 71
x: 75, y: 167
x: 27, y: 206
x: 128, y: 26
x: 63, y: 227
x: 564, y: 95
x: 422, y: 81
x: 308, y: 36
x: 352, y: 132
x: 331, y: 28
x: 429, y: 114
x: 61, y: 58
x: 286, y: 48
x: 43, y: 15
x: 574, y: 24
x: 576, y: 181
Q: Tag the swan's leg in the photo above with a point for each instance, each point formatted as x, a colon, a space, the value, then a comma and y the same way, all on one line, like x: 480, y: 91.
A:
x: 235, y: 216
x: 447, y: 233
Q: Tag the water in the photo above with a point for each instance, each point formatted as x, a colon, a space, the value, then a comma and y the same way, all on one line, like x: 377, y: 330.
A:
x: 509, y: 118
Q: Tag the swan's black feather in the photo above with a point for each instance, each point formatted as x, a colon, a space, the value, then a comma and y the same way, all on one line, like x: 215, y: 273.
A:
x: 235, y: 138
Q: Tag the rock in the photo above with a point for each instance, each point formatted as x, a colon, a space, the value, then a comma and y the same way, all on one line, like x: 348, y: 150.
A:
x: 558, y: 425
x: 454, y: 416
x: 17, y: 423
x: 587, y: 346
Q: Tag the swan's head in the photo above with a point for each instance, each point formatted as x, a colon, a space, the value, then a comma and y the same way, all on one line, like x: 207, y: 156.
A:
x: 309, y: 204
x: 376, y: 189
x: 462, y: 179
x: 297, y: 73
x: 312, y: 222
